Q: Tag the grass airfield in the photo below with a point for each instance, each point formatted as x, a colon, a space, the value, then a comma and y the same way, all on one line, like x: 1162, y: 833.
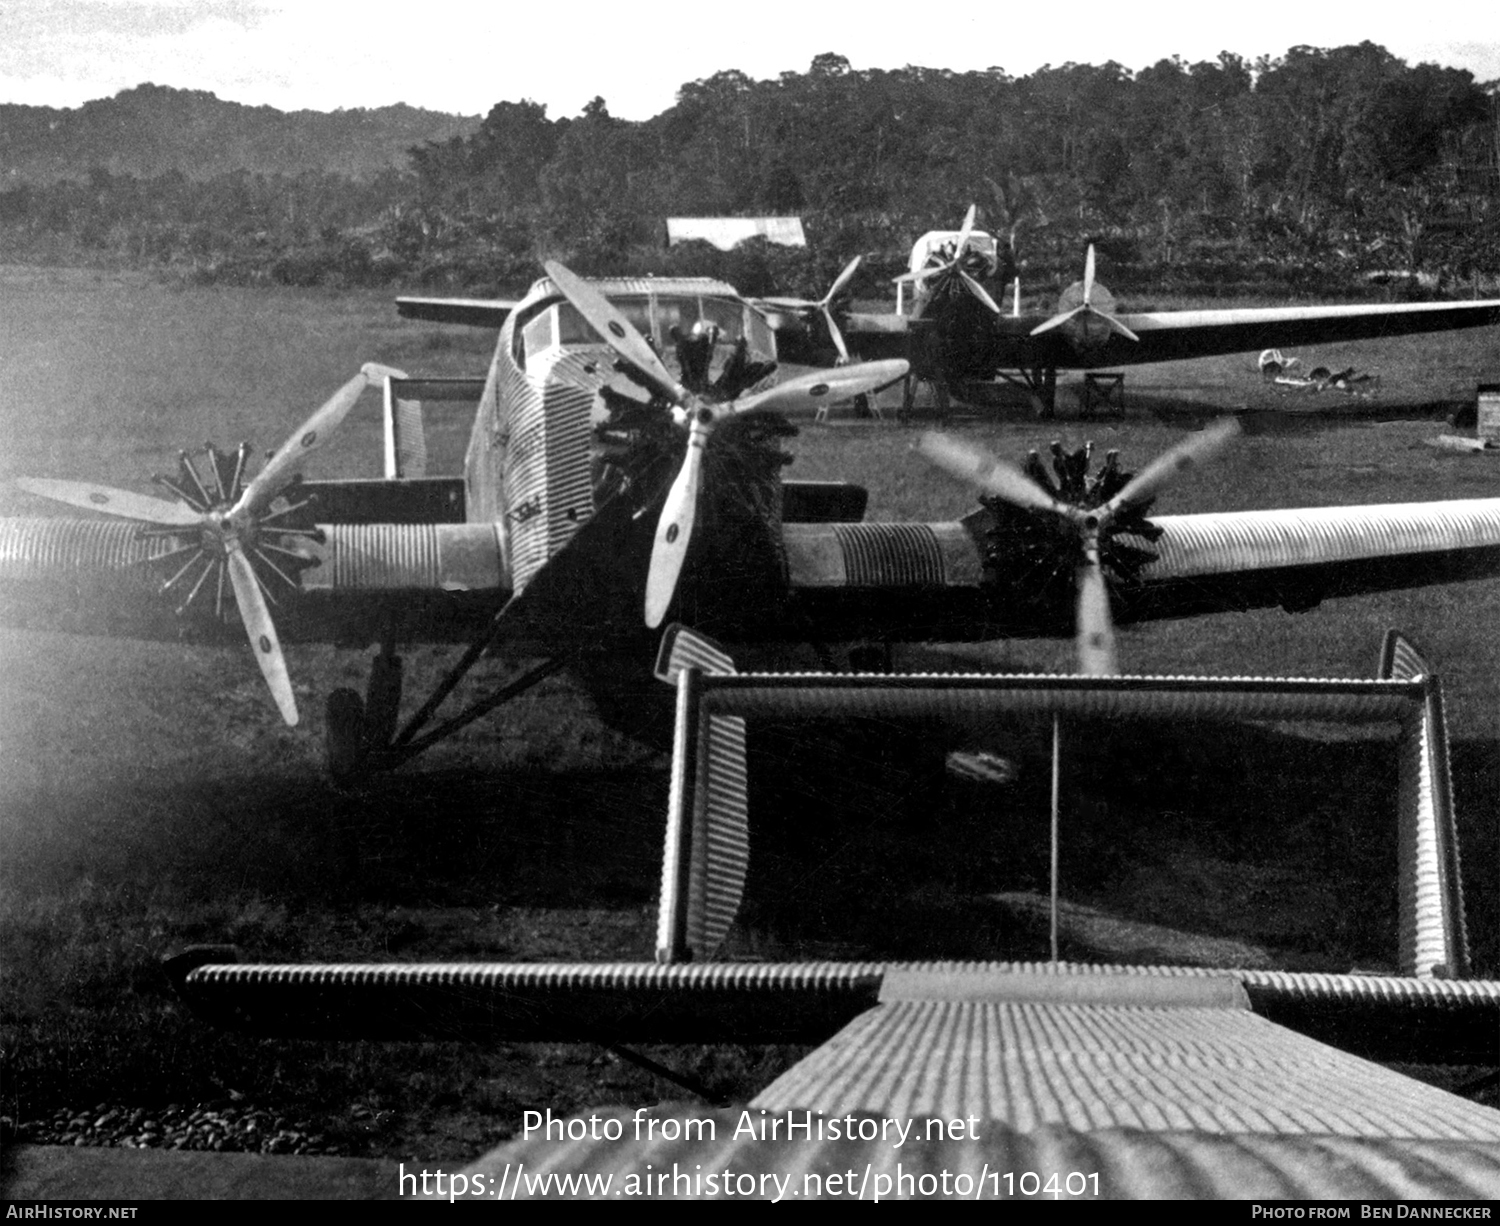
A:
x: 150, y: 799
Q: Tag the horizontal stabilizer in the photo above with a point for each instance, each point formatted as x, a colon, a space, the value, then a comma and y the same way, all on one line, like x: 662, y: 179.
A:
x: 1383, y: 1017
x: 1432, y: 936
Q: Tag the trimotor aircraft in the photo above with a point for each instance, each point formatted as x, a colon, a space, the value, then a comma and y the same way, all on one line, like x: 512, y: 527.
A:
x: 955, y: 332
x: 605, y: 490
x: 597, y: 501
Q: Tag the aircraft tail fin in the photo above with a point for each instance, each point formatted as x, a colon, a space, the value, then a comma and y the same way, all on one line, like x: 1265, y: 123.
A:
x: 1428, y: 852
x: 683, y: 648
x: 405, y: 420
x: 1401, y: 659
x: 707, y: 853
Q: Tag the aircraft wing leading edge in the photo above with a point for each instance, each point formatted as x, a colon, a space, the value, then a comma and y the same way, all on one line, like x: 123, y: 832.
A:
x: 1205, y: 563
x: 1171, y: 335
x: 476, y: 312
x: 1167, y: 336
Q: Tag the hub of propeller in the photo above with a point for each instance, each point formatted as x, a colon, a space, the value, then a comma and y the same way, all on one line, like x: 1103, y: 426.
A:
x: 1087, y: 312
x: 955, y: 270
x: 212, y: 482
x: 1074, y: 519
x: 1040, y: 551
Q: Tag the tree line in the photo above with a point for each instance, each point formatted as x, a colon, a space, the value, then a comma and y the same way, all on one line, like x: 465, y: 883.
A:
x: 1309, y: 171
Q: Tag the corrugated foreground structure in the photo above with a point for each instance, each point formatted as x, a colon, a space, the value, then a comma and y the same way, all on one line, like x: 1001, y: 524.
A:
x: 1045, y: 1164
x: 1148, y: 1081
x: 1382, y: 1017
x: 981, y: 1084
x: 708, y: 828
x: 1093, y: 1052
x: 974, y: 1080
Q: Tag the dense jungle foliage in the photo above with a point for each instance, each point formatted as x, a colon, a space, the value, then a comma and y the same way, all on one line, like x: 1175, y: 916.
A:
x: 1309, y: 171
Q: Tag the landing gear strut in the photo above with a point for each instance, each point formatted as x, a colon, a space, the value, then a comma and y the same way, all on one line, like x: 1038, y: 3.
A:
x: 362, y: 736
x: 383, y: 697
x: 1042, y: 383
x: 909, y: 395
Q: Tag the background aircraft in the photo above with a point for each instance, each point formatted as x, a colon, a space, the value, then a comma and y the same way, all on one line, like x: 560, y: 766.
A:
x: 955, y: 331
x: 605, y: 490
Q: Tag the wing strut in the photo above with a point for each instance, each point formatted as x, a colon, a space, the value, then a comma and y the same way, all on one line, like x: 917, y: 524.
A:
x: 410, y: 747
x: 359, y: 740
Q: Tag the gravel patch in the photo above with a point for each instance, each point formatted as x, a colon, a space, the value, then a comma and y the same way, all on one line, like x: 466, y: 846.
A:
x: 228, y: 1127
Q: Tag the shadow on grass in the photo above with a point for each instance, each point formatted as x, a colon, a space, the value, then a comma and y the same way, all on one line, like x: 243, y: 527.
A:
x: 453, y: 837
x: 1269, y: 413
x: 1230, y: 845
x: 1219, y: 844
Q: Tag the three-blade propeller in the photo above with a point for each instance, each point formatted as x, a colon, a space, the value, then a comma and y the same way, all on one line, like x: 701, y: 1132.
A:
x: 1088, y: 309
x: 226, y: 525
x: 953, y: 266
x: 823, y: 306
x: 699, y: 417
x: 1094, y: 623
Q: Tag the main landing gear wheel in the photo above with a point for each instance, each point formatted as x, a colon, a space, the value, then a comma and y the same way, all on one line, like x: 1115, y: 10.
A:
x: 355, y: 729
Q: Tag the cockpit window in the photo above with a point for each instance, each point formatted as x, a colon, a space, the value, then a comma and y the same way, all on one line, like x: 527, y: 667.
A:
x: 540, y: 333
x: 940, y: 248
x: 727, y: 315
x: 762, y: 339
x: 679, y: 313
x: 574, y: 330
x: 550, y: 325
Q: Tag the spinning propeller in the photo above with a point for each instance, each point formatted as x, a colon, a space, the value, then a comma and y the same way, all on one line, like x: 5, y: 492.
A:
x: 1120, y: 498
x: 230, y: 528
x: 953, y: 268
x: 1086, y: 301
x: 699, y: 416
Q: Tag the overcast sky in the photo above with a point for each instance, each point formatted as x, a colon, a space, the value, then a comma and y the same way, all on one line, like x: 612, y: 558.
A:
x: 463, y: 56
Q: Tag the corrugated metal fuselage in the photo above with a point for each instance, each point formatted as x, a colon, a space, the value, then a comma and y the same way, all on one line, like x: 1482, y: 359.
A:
x: 532, y: 467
